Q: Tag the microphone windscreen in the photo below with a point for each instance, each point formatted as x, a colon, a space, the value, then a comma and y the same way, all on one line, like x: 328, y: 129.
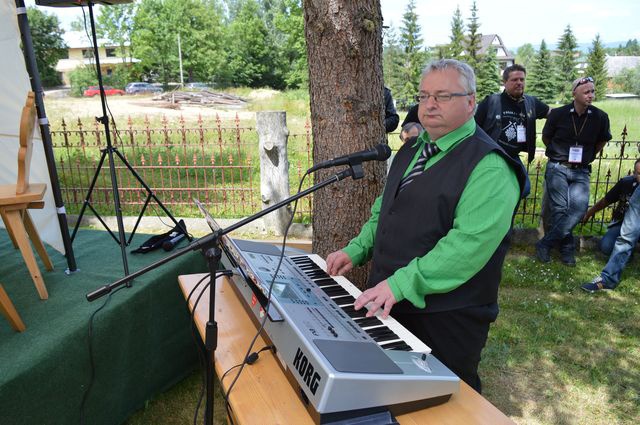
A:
x: 384, y: 151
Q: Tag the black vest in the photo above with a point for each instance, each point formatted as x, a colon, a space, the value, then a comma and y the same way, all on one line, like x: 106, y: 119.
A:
x: 493, y: 123
x: 411, y: 223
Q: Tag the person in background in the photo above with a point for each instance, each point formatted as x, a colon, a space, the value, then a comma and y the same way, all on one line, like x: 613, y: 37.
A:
x: 620, y: 194
x: 391, y: 118
x: 410, y: 132
x: 573, y: 134
x: 510, y: 117
x: 411, y: 124
x: 610, y: 276
x: 438, y: 235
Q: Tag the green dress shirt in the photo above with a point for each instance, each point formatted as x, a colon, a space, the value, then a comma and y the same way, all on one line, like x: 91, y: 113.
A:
x: 482, y: 218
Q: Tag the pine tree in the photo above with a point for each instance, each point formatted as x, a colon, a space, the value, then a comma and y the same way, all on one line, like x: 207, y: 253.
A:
x: 540, y: 80
x: 392, y: 63
x: 415, y: 56
x: 474, y: 39
x: 525, y: 55
x: 487, y: 76
x: 456, y: 47
x: 597, y: 67
x: 566, y: 64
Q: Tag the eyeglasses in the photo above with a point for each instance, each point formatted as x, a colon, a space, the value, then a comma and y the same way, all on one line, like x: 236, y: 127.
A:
x: 440, y: 97
x: 582, y: 81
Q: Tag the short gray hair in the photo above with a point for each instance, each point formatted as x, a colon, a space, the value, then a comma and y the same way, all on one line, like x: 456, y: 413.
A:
x: 467, y: 76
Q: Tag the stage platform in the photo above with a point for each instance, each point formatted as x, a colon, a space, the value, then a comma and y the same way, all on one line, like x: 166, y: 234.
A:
x: 142, y: 342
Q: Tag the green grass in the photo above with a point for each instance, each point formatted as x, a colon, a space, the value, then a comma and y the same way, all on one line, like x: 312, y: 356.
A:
x: 556, y: 355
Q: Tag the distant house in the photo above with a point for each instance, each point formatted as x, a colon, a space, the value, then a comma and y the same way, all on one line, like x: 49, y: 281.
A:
x: 504, y: 57
x: 80, y: 52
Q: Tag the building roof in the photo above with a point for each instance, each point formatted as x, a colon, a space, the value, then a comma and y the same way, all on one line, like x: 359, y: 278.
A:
x: 616, y: 64
x: 494, y: 40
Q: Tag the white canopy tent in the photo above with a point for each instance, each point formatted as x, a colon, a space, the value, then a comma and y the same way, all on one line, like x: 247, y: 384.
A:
x: 14, y: 86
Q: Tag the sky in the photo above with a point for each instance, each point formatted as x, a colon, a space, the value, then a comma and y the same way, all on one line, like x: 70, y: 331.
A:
x: 521, y: 22
x: 516, y: 23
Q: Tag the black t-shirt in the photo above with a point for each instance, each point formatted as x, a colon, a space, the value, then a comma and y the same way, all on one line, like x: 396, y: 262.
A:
x: 620, y: 193
x: 566, y: 129
x: 513, y: 114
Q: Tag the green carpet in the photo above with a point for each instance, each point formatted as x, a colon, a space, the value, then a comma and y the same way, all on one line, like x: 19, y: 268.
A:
x: 142, y: 340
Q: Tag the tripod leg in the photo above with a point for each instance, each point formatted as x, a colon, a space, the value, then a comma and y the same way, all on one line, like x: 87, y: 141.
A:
x: 88, y: 197
x: 144, y: 208
x: 150, y: 193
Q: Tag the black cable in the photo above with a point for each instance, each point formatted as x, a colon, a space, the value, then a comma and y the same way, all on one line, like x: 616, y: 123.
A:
x: 266, y: 308
x: 92, y: 368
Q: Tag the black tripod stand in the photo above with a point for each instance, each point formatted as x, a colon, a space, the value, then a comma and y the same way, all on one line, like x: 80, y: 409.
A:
x: 109, y: 152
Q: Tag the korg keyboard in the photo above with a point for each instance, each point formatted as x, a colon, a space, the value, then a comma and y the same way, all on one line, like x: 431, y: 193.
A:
x: 341, y: 361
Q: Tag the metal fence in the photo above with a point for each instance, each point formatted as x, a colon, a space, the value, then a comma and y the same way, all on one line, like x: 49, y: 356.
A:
x: 218, y: 162
x: 214, y: 161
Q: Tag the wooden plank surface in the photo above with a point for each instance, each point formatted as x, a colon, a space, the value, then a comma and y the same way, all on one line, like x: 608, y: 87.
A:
x: 263, y: 393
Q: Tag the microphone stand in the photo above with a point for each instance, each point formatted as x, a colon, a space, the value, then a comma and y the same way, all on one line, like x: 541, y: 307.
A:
x: 210, y: 247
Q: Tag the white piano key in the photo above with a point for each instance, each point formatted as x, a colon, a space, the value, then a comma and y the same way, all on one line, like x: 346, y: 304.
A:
x: 403, y: 333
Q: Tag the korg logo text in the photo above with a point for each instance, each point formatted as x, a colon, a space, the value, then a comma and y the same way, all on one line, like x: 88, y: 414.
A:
x: 306, y: 371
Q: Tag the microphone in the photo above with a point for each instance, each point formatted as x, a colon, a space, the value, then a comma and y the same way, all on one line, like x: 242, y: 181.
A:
x: 382, y: 152
x: 168, y: 245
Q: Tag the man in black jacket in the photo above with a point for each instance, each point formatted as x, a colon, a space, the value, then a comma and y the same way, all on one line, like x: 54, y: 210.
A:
x: 391, y: 118
x: 510, y: 117
x: 620, y: 194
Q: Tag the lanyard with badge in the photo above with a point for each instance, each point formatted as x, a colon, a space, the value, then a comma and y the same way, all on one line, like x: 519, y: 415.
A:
x: 521, y: 134
x: 575, y: 152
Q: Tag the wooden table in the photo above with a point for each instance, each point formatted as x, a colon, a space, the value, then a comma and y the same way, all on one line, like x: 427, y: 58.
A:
x: 263, y: 393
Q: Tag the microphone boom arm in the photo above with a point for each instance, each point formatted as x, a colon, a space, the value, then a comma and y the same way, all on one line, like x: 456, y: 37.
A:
x: 355, y: 171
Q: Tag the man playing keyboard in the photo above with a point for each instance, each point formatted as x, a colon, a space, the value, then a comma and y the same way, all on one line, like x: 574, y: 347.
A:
x: 438, y: 235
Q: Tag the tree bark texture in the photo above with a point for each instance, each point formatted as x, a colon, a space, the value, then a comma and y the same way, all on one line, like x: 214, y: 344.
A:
x: 274, y: 167
x: 344, y: 46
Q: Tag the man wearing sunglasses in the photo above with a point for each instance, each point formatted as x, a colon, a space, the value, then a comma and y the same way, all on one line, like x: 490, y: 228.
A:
x: 573, y: 134
x: 438, y: 235
x: 510, y: 117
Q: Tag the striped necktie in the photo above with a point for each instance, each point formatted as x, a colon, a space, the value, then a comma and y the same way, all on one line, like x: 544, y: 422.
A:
x: 428, y: 151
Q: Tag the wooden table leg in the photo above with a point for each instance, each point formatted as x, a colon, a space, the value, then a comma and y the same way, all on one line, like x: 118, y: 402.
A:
x: 9, y: 311
x: 14, y: 221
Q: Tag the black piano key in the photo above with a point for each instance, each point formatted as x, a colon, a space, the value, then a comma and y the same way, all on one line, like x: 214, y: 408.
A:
x: 365, y: 322
x: 316, y: 274
x: 309, y: 267
x: 325, y: 282
x: 396, y: 345
x: 382, y: 330
x: 353, y: 313
x: 335, y: 291
x: 383, y: 338
x: 382, y: 334
x: 345, y: 299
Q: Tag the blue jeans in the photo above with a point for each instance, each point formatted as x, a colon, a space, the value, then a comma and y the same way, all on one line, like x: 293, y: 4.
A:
x: 568, y: 196
x: 527, y: 183
x: 625, y: 243
x: 609, y: 239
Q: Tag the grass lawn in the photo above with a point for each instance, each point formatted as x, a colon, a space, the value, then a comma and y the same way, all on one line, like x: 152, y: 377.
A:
x: 556, y: 355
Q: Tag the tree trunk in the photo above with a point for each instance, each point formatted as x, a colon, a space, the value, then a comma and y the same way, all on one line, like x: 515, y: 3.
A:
x: 344, y: 46
x: 274, y: 167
